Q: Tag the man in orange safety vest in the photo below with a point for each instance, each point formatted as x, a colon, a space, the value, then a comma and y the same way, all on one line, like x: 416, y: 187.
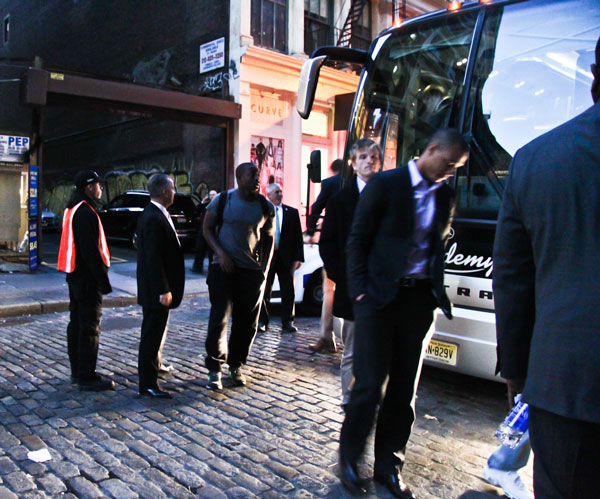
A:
x: 85, y: 257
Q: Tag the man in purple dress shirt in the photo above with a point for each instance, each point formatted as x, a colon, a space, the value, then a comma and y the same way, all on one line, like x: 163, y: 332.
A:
x: 395, y: 270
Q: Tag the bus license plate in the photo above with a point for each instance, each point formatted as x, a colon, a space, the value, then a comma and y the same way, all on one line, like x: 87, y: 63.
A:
x: 439, y: 351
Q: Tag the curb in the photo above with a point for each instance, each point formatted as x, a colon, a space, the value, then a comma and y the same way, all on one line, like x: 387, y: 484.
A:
x: 47, y: 307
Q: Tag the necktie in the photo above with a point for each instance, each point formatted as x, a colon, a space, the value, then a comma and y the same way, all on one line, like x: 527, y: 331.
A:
x: 277, y: 230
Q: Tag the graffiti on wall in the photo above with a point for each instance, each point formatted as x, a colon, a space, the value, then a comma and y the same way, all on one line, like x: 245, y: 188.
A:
x: 217, y: 81
x: 117, y: 181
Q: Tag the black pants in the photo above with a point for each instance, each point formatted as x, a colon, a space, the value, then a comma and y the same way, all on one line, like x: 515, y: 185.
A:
x: 388, y: 345
x: 83, y: 331
x: 238, y: 294
x: 154, y: 327
x: 566, y: 453
x: 285, y: 274
x: 202, y: 249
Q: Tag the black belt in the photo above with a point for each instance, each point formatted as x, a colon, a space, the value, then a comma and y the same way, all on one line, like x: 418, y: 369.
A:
x: 411, y: 282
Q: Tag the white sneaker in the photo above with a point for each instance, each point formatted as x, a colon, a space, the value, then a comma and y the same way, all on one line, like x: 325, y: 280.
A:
x: 508, y: 481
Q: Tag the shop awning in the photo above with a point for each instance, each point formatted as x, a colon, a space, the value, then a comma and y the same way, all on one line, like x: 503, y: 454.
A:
x: 40, y: 87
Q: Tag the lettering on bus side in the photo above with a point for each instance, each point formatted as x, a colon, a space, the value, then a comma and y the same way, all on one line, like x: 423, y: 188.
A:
x: 482, y: 294
x: 468, y: 264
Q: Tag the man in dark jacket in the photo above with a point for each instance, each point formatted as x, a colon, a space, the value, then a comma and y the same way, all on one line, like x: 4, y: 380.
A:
x: 395, y: 271
x: 329, y: 186
x: 546, y: 265
x: 160, y: 278
x: 84, y: 255
x: 365, y: 158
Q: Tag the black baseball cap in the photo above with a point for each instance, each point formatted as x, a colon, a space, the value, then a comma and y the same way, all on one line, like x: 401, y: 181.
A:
x: 85, y: 177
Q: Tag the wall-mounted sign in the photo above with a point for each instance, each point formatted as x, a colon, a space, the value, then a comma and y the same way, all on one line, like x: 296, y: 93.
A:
x: 33, y: 191
x: 212, y: 55
x: 14, y: 149
x: 33, y: 245
x: 268, y: 110
x: 33, y: 214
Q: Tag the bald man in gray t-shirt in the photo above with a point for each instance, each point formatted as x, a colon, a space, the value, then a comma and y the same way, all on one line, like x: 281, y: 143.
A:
x: 242, y: 241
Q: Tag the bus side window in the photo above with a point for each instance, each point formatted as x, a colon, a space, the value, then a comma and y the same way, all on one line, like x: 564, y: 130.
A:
x: 519, y: 92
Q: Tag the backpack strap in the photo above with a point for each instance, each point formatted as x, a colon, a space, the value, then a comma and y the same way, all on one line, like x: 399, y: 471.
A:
x: 221, y: 207
x: 264, y: 205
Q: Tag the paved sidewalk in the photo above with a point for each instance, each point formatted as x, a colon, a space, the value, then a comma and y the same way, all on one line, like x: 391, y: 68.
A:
x: 45, y: 290
x: 275, y: 438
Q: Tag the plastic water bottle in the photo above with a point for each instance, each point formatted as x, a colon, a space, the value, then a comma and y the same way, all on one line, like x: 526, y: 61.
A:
x: 515, y: 424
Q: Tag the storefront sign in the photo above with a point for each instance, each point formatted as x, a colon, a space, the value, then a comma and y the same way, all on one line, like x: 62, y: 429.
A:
x: 13, y: 148
x: 212, y: 55
x: 268, y: 110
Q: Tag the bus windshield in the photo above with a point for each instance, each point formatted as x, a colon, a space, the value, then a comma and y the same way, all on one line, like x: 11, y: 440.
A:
x: 412, y: 85
x: 529, y: 72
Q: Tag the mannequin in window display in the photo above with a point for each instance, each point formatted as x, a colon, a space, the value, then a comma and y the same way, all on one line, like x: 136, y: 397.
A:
x: 279, y: 174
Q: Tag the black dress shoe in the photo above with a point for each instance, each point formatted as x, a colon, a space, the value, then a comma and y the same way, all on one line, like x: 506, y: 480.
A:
x: 155, y: 393
x: 289, y: 328
x: 350, y: 479
x: 262, y: 327
x: 395, y: 484
x: 96, y: 383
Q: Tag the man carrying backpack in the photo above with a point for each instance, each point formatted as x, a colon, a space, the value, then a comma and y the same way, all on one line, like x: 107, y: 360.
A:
x: 239, y: 228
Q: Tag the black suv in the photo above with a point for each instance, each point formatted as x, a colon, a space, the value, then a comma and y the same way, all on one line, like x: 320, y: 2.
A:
x: 120, y: 217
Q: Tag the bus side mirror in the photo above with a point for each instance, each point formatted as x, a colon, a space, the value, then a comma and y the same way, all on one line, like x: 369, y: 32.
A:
x: 307, y: 87
x: 314, y: 167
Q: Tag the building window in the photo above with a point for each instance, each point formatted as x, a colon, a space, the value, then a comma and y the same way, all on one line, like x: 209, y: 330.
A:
x: 318, y: 24
x: 6, y: 30
x: 361, y: 29
x: 269, y: 24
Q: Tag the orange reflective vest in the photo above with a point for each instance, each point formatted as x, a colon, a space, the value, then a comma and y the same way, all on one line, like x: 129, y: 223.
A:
x: 66, y: 253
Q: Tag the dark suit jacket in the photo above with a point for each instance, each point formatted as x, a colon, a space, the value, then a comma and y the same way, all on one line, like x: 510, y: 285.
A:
x: 291, y: 245
x: 546, y: 267
x: 381, y: 238
x: 329, y: 187
x: 332, y: 245
x: 160, y: 266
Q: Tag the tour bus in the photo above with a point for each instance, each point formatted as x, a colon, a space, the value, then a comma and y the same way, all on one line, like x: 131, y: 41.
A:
x: 502, y: 72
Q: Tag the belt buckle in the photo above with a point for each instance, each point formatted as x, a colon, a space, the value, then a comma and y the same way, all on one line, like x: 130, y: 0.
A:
x: 408, y: 282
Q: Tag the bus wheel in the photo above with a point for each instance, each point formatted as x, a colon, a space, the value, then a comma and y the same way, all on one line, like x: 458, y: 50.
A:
x: 313, y: 292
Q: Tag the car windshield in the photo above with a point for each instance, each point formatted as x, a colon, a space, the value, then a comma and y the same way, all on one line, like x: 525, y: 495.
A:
x: 182, y: 204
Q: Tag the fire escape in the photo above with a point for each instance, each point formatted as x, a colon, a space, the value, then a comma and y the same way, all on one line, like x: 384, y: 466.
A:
x: 354, y: 15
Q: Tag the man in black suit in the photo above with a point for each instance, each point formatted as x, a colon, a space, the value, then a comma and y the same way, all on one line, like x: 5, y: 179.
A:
x: 160, y: 279
x: 395, y: 274
x: 365, y: 158
x: 546, y: 266
x: 329, y: 186
x: 288, y: 256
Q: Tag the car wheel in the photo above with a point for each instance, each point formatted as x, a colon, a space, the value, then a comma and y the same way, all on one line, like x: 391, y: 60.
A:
x: 313, y: 292
x: 133, y: 239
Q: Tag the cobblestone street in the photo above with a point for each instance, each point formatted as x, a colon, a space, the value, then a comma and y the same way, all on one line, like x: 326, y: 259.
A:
x: 276, y: 437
